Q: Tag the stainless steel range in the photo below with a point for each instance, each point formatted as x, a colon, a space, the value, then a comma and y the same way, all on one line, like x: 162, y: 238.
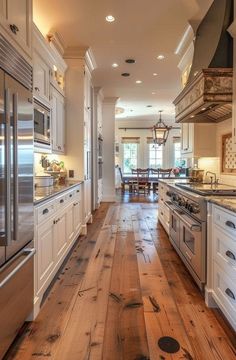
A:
x: 188, y: 223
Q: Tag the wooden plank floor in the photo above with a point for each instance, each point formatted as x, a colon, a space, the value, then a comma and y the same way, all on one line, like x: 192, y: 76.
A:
x: 123, y: 288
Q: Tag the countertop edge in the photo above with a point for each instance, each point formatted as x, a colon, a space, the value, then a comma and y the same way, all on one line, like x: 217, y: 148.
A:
x: 49, y: 197
x: 221, y: 203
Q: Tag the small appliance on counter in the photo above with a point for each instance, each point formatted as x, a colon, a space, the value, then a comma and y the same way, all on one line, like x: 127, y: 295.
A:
x: 196, y: 175
x: 43, y: 180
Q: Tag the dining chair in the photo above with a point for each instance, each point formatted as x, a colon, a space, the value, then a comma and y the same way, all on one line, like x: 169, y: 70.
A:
x: 124, y: 182
x: 164, y: 172
x: 142, y: 181
x: 155, y: 183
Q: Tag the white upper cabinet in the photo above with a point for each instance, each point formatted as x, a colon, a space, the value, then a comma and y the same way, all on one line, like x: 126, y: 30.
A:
x: 58, y: 121
x: 16, y: 21
x: 186, y: 138
x: 41, y: 79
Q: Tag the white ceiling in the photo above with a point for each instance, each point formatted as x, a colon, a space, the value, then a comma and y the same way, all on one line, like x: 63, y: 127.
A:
x: 142, y: 30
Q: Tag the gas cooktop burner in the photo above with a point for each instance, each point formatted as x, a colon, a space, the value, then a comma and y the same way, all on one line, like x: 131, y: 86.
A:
x: 209, y: 189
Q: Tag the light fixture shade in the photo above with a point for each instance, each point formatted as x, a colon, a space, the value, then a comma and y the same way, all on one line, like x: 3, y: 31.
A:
x: 160, y: 132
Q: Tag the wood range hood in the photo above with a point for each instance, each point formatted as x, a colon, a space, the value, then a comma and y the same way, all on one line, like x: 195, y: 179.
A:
x: 207, y: 96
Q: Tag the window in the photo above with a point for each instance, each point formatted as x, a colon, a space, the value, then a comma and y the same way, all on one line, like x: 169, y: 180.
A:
x: 130, y: 157
x: 155, y: 156
x: 177, y: 154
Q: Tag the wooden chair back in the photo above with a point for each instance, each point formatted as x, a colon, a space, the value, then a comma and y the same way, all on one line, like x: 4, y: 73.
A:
x: 164, y: 172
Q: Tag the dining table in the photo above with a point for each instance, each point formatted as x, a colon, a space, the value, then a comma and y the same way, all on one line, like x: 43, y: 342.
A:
x: 153, y: 178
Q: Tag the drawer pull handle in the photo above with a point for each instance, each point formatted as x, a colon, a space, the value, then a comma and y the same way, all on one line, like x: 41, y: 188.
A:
x: 75, y: 204
x: 70, y: 195
x: 61, y: 201
x: 230, y: 255
x: 77, y: 191
x: 230, y: 293
x: 45, y: 211
x: 230, y: 224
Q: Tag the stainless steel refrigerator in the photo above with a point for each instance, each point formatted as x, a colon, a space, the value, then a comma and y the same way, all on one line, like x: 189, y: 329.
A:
x: 16, y: 197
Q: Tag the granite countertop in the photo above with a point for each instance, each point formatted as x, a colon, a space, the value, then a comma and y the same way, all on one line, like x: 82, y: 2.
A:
x: 174, y: 180
x: 227, y: 203
x: 44, y: 193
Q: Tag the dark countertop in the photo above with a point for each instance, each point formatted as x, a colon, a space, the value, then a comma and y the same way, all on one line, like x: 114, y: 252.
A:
x: 45, y: 193
x: 227, y: 203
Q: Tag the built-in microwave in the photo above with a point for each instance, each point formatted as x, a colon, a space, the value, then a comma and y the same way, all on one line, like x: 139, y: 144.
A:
x: 42, y: 124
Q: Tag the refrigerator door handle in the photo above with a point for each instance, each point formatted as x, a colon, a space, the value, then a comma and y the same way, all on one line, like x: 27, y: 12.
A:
x: 7, y: 169
x: 28, y: 255
x: 15, y: 166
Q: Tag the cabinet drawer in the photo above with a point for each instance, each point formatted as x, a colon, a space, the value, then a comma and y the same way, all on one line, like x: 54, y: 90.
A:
x: 225, y: 219
x: 225, y: 291
x: 224, y: 251
x: 44, y: 211
x: 61, y: 201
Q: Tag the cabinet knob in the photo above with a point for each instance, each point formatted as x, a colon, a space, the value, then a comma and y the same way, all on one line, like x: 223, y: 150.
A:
x: 36, y: 88
x: 14, y: 28
x: 61, y: 201
x: 77, y: 191
x: 230, y: 255
x: 230, y: 224
x: 230, y: 293
x: 70, y: 195
x: 45, y: 211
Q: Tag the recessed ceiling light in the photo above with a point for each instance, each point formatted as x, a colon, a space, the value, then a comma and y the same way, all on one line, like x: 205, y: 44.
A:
x: 149, y: 106
x: 110, y: 18
x: 138, y: 81
x: 154, y: 74
x: 130, y: 61
x: 115, y: 65
x: 153, y: 93
x: 160, y: 57
x: 125, y: 74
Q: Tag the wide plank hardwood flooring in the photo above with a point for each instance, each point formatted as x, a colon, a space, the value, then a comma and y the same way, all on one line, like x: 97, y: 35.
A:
x: 122, y: 288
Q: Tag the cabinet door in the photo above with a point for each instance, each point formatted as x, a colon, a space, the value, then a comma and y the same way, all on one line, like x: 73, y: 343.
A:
x: 187, y: 138
x: 59, y: 237
x: 41, y: 79
x: 87, y: 89
x: 58, y: 121
x: 16, y: 18
x: 87, y: 198
x: 77, y: 215
x: 44, y: 252
x: 70, y: 227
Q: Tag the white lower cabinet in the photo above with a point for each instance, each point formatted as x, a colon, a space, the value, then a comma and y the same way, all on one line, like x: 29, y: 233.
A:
x: 163, y: 210
x: 58, y: 225
x: 221, y: 261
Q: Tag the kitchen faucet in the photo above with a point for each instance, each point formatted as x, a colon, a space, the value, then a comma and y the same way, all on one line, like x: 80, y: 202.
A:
x: 211, y: 177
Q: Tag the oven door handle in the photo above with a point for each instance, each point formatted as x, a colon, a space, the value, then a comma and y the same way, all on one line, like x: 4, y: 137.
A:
x: 191, y: 227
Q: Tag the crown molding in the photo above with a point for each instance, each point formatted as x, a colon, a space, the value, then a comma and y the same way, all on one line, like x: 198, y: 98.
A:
x: 110, y: 100
x: 81, y: 52
x: 56, y: 40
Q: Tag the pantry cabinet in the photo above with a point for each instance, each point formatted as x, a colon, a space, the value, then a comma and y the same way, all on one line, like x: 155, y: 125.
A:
x: 198, y: 140
x: 58, y: 224
x: 57, y: 121
x: 16, y: 23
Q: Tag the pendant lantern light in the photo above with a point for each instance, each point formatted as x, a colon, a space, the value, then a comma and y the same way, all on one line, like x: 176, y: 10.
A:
x: 160, y: 131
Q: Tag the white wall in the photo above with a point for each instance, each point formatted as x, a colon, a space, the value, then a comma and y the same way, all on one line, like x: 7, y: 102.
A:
x: 168, y: 151
x: 214, y: 164
x: 108, y: 129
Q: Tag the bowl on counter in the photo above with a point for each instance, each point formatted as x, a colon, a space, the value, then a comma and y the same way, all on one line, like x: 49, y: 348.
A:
x: 43, y: 181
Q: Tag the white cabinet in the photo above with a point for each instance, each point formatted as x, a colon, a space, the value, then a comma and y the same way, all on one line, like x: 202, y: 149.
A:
x: 16, y: 21
x: 59, y: 237
x: 41, y: 79
x: 87, y: 200
x: 221, y: 261
x: 58, y: 224
x: 163, y: 210
x: 77, y: 215
x: 45, y: 261
x: 198, y: 140
x: 186, y: 138
x: 58, y: 121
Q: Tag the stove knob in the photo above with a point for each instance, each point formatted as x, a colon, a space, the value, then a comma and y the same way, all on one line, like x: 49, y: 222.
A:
x: 190, y: 207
